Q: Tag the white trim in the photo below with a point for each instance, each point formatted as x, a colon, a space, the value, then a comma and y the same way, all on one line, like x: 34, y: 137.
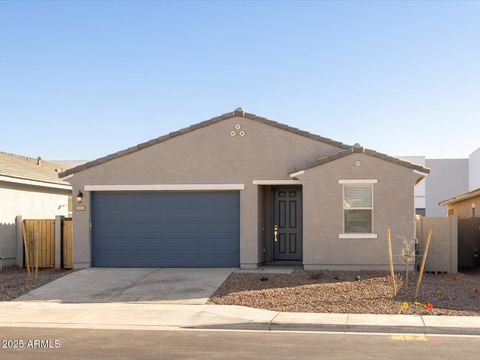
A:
x: 67, y: 177
x: 423, y: 176
x: 420, y: 173
x: 356, y: 208
x: 357, y: 236
x: 34, y: 183
x: 298, y: 173
x: 359, y: 208
x: 166, y: 187
x: 276, y: 182
x: 360, y: 181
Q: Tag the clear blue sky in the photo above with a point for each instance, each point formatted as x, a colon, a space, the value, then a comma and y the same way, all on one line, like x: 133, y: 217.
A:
x: 79, y: 80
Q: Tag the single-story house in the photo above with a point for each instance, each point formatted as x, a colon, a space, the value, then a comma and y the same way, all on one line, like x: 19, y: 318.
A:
x: 242, y: 190
x: 29, y: 187
x: 465, y: 205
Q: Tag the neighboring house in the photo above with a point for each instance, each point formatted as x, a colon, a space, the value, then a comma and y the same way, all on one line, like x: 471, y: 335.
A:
x: 447, y: 178
x: 68, y: 164
x: 465, y: 205
x: 420, y: 189
x: 31, y: 188
x: 242, y: 190
x: 474, y: 170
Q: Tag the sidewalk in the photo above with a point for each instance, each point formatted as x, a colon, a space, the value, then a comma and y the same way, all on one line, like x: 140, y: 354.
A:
x: 142, y: 316
x: 239, y: 317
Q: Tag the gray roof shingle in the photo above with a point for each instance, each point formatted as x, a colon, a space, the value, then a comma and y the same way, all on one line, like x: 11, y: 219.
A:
x: 461, y: 197
x: 345, y: 149
x: 357, y: 149
x: 237, y: 112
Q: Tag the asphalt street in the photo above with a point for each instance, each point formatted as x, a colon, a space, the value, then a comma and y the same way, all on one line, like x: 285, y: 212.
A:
x: 30, y: 343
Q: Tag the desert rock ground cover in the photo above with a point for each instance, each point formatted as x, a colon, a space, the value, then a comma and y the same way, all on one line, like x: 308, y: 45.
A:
x: 340, y: 292
x: 14, y: 283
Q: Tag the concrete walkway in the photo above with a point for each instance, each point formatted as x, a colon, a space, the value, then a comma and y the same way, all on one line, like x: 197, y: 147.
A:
x: 154, y: 316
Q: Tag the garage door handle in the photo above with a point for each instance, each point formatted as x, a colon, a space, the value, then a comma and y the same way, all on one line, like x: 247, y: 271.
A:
x: 275, y: 232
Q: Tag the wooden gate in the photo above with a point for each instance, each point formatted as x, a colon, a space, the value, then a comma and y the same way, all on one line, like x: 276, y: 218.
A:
x: 67, y: 244
x: 468, y: 241
x: 39, y: 236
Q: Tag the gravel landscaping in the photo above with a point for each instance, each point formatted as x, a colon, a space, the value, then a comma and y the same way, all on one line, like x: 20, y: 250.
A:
x: 340, y: 292
x: 14, y: 283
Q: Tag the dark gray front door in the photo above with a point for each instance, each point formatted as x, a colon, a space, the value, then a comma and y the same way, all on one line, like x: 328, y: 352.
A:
x: 287, y: 222
x: 165, y: 229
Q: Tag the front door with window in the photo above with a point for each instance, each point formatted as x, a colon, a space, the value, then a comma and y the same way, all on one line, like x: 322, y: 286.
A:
x: 287, y: 223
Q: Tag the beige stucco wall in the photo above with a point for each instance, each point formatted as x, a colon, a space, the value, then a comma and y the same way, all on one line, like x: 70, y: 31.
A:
x: 323, y: 213
x: 211, y: 155
x: 30, y: 202
x: 463, y: 209
x: 443, y: 251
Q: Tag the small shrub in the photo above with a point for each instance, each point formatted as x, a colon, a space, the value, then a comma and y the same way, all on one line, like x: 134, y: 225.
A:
x: 264, y: 278
x: 316, y: 275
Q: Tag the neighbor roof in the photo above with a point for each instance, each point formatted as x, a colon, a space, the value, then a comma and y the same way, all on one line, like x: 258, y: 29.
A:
x: 238, y: 112
x: 357, y: 149
x: 22, y: 167
x: 461, y: 197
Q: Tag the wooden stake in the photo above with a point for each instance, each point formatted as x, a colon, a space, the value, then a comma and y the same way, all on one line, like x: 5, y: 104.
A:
x: 406, y: 271
x: 424, y: 260
x: 37, y: 254
x: 390, y: 257
x: 31, y: 245
x: 27, y: 249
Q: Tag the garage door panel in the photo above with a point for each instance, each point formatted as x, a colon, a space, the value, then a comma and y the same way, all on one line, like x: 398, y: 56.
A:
x: 216, y: 216
x: 199, y: 230
x: 165, y: 229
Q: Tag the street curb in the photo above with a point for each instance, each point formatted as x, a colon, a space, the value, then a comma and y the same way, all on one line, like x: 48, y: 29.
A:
x: 341, y: 328
x: 451, y: 330
x: 252, y: 325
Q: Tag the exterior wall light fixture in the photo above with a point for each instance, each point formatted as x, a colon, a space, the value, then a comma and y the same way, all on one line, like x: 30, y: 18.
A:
x: 79, y: 197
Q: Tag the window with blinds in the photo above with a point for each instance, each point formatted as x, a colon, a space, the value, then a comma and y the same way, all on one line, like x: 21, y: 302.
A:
x: 358, y: 208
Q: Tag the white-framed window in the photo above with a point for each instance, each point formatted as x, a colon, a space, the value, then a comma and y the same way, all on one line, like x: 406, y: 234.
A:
x: 357, y: 208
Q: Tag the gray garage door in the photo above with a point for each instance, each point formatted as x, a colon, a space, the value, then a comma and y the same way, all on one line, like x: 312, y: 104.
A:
x: 165, y: 229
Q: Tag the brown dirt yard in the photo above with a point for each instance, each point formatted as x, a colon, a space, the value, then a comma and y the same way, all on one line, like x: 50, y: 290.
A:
x: 339, y: 292
x: 13, y: 281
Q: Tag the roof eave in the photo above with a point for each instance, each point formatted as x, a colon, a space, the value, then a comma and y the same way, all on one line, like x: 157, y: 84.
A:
x: 462, y: 197
x: 34, y: 182
x: 356, y: 149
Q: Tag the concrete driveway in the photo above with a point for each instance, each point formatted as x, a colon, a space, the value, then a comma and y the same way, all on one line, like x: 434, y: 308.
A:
x: 161, y: 286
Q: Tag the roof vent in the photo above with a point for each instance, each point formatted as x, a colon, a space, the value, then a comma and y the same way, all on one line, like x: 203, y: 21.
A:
x: 357, y: 148
x: 239, y: 111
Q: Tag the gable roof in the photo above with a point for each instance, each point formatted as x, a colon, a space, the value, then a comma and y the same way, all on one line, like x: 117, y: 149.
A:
x: 26, y: 168
x: 357, y: 149
x: 239, y: 112
x: 461, y: 197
